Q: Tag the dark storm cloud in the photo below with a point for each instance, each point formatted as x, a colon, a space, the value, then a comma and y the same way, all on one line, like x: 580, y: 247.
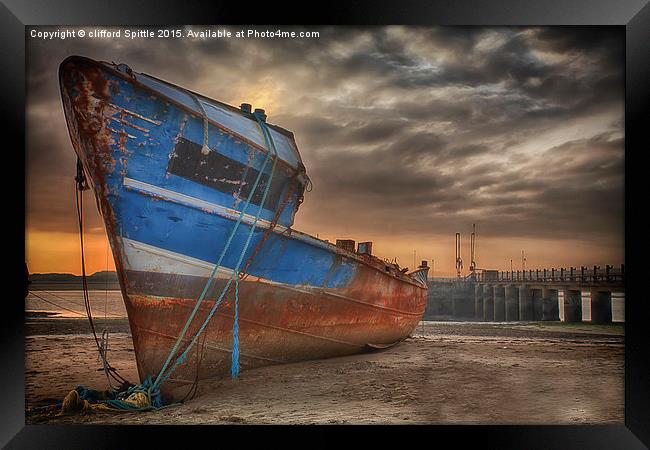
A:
x: 605, y: 43
x: 401, y: 128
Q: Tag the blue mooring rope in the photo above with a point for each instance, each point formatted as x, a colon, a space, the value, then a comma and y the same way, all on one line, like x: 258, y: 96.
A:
x: 234, y: 368
x: 149, y: 386
x: 119, y: 401
x: 162, y: 376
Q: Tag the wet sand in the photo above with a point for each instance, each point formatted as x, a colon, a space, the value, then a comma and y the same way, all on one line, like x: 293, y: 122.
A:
x: 447, y: 373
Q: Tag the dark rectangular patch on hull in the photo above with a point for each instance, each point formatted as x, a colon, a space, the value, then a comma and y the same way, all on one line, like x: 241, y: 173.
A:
x: 224, y: 174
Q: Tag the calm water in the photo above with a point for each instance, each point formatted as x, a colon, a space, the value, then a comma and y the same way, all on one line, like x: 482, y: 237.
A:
x: 70, y: 304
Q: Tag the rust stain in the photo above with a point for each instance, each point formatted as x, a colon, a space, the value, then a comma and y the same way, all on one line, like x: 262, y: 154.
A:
x: 129, y: 124
x: 86, y: 93
x: 134, y: 114
x: 277, y: 322
x: 122, y: 141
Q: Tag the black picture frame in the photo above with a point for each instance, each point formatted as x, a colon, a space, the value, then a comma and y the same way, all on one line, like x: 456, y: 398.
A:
x: 634, y: 15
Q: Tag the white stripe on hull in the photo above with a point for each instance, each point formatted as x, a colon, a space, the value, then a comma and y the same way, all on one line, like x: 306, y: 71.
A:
x: 232, y: 214
x: 148, y: 258
x: 213, y: 208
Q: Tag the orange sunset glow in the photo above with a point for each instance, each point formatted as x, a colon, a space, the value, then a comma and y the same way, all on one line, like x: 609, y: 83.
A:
x: 408, y: 134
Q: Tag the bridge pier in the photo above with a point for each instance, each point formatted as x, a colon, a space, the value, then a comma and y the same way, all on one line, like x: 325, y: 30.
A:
x: 462, y: 300
x: 618, y: 307
x: 571, y: 308
x: 601, y: 306
x: 488, y: 303
x: 478, y: 301
x: 499, y: 304
x: 567, y: 295
x: 586, y: 305
x: 512, y: 303
x: 536, y: 295
x: 525, y: 303
x: 550, y: 309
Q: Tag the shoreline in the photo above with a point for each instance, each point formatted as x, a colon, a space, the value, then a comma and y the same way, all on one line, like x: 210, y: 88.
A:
x: 447, y: 372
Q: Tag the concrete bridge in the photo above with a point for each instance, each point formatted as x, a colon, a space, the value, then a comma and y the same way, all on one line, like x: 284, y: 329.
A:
x: 574, y: 295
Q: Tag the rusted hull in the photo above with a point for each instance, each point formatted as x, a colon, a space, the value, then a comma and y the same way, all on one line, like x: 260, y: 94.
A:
x: 170, y: 206
x: 277, y: 323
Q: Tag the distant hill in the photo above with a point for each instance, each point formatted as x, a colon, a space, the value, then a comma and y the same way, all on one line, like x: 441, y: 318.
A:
x: 98, y: 280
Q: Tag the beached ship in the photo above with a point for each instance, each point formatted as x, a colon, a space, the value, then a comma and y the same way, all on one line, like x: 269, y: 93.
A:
x: 189, y: 187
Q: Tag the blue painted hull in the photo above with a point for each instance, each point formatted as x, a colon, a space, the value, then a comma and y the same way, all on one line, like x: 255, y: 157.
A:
x: 170, y: 199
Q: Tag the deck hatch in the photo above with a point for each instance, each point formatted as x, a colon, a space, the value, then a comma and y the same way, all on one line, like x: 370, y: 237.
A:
x: 222, y: 173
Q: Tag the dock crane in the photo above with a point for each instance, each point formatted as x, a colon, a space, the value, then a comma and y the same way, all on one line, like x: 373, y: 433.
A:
x: 472, y: 246
x: 459, y: 260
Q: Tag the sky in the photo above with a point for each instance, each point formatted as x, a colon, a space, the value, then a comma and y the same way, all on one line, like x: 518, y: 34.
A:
x: 409, y: 135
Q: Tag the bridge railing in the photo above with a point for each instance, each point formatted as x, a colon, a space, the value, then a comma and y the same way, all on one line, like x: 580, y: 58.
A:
x: 594, y: 274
